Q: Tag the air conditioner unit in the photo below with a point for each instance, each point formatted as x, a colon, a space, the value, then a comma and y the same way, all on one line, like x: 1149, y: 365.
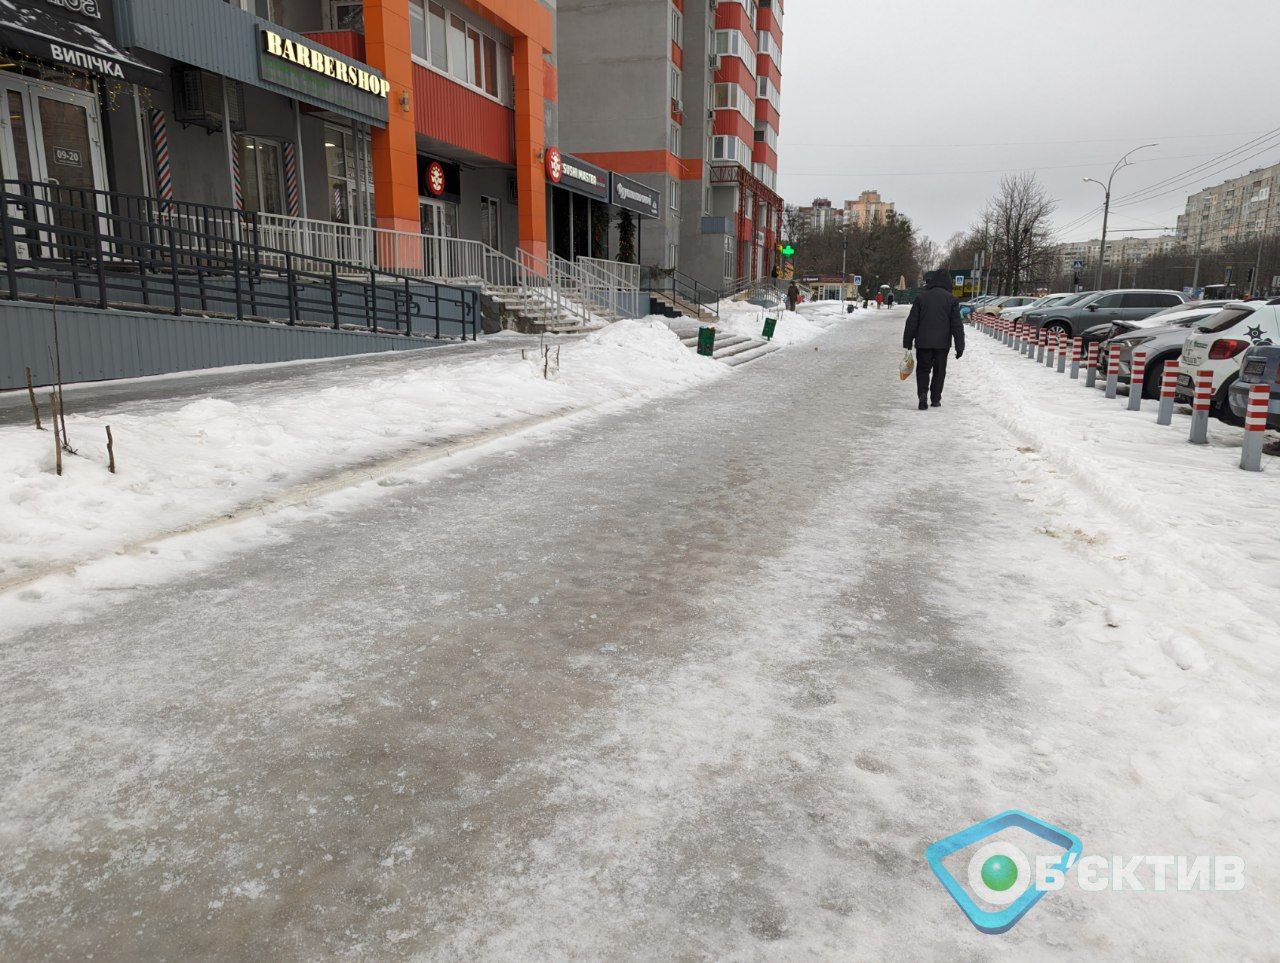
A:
x: 711, y: 113
x: 197, y: 99
x: 677, y: 105
x: 713, y: 61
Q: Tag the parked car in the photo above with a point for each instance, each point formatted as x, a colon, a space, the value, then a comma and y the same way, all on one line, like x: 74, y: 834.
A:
x: 1010, y: 304
x: 1259, y: 365
x: 1127, y: 305
x: 968, y: 307
x: 1163, y: 342
x: 1217, y: 344
x: 1048, y: 301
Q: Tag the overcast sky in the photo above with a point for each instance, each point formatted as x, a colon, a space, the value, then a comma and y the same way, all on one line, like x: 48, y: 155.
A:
x: 929, y: 102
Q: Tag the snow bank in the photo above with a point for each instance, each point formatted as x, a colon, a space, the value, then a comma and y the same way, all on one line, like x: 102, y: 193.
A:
x: 186, y: 463
x: 794, y: 327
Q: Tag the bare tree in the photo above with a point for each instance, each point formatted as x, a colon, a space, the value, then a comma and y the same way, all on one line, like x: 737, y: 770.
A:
x: 928, y: 253
x: 1017, y: 222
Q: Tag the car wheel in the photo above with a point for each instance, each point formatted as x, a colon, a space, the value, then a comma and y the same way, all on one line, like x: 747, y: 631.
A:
x: 1058, y: 327
x: 1221, y: 408
x: 1155, y: 372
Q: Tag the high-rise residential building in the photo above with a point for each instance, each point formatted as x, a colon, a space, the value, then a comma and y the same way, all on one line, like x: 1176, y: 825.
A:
x: 682, y: 96
x: 1241, y: 208
x: 820, y: 215
x: 868, y: 209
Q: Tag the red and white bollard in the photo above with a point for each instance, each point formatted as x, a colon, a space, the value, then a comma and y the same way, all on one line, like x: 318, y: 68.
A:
x: 1137, y: 375
x: 1168, y: 390
x: 1113, y: 371
x: 1051, y: 346
x: 1017, y: 336
x: 1200, y: 408
x: 1063, y: 342
x: 1077, y: 358
x: 1091, y: 366
x: 1255, y: 427
x: 1041, y: 343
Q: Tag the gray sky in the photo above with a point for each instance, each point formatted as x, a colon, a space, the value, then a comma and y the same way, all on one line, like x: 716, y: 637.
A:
x: 929, y: 101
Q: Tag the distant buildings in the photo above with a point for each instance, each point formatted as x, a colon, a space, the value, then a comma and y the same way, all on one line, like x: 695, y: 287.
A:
x: 1241, y: 208
x: 1120, y: 250
x: 869, y: 208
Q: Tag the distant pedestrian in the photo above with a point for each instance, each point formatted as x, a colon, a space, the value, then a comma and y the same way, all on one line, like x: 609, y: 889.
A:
x: 932, y: 326
x: 888, y: 299
x: 879, y: 300
x: 793, y: 296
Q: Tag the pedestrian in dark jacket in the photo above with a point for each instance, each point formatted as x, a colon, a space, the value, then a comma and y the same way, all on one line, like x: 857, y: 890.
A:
x: 932, y: 325
x: 888, y: 299
x: 793, y: 296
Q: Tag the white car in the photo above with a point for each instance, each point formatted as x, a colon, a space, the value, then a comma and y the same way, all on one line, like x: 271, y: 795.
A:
x: 1008, y: 304
x: 1048, y: 301
x: 1218, y: 344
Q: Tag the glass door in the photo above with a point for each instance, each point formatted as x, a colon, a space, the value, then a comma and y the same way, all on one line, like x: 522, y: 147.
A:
x: 51, y: 135
x: 439, y: 228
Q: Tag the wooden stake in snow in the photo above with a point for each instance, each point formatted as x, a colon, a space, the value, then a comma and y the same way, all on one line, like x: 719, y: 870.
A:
x: 35, y: 408
x: 57, y: 442
x: 111, y: 452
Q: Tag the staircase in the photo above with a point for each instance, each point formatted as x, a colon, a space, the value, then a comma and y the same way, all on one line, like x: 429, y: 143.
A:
x: 729, y: 349
x: 681, y: 295
x: 532, y: 294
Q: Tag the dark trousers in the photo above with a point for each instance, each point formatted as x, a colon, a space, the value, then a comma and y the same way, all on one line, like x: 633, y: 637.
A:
x: 931, y: 362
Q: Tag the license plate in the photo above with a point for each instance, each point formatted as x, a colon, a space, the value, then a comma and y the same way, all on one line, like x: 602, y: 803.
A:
x: 1258, y: 367
x: 1184, y: 381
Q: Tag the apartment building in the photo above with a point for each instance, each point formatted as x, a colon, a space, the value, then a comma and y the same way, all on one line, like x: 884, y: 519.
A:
x: 1238, y: 209
x: 682, y: 96
x: 1120, y: 251
x: 868, y: 209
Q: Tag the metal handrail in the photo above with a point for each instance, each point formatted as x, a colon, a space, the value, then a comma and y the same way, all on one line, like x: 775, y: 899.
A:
x: 114, y: 249
x: 684, y: 288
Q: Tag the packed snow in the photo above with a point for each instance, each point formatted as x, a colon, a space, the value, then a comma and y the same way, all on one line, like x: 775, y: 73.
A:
x: 208, y: 458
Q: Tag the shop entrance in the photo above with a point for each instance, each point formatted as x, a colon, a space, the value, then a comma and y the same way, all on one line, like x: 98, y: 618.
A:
x: 51, y: 134
x: 440, y: 229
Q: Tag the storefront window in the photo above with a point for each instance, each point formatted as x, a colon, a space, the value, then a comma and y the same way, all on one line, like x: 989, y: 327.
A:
x: 18, y: 130
x: 490, y: 226
x: 261, y: 175
x: 340, y: 161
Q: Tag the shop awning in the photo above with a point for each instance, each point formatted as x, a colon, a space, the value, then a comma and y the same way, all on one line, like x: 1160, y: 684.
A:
x: 72, y: 44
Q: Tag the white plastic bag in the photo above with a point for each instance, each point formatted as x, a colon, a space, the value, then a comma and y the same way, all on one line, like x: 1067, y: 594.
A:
x: 907, y: 367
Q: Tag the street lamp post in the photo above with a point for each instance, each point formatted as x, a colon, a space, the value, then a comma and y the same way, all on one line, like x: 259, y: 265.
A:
x: 1106, y: 207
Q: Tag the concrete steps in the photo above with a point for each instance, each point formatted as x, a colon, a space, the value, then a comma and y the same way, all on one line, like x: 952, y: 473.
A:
x: 759, y: 350
x: 729, y: 349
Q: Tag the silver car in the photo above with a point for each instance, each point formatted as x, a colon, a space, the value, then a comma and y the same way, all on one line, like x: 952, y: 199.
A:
x: 1163, y: 342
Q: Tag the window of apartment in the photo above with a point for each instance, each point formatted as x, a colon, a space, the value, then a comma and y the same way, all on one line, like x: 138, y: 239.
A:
x: 266, y: 9
x: 673, y: 194
x: 436, y: 33
x: 346, y: 15
x: 261, y: 174
x: 733, y: 97
x: 458, y: 48
x: 732, y: 43
x: 464, y: 52
x: 765, y: 134
x: 675, y: 139
x: 677, y: 84
x: 677, y: 26
x: 725, y: 147
x: 765, y: 40
x: 490, y: 223
x: 673, y: 255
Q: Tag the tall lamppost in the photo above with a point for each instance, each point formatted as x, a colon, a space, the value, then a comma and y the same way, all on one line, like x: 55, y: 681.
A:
x: 1106, y: 207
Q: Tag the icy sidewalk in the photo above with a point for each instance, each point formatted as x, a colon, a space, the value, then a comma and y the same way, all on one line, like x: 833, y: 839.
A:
x: 187, y: 462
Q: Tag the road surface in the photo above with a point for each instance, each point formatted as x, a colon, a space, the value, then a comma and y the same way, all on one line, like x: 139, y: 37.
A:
x: 698, y: 679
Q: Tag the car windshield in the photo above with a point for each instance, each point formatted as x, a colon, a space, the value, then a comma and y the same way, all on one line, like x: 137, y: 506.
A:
x: 1224, y: 319
x: 1073, y: 299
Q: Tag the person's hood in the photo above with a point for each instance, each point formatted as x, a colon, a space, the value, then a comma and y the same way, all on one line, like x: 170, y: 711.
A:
x: 938, y: 279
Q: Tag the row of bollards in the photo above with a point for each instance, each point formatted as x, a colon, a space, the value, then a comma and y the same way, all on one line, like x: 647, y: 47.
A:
x: 1050, y: 349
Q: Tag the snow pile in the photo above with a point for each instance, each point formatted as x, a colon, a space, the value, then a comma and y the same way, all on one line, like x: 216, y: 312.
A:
x: 186, y: 463
x: 794, y: 327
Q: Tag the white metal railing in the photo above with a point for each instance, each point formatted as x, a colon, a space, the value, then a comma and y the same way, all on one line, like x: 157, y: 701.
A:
x: 580, y: 289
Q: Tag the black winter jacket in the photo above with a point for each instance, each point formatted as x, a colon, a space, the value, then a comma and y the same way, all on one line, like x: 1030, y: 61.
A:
x: 934, y: 321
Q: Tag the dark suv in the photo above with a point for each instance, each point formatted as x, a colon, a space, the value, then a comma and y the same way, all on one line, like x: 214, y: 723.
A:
x: 1103, y: 306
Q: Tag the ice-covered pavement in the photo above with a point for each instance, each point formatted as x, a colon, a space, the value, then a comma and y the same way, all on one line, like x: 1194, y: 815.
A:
x: 699, y: 678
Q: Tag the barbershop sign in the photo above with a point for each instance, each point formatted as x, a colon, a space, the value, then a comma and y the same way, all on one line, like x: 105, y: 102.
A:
x: 314, y: 63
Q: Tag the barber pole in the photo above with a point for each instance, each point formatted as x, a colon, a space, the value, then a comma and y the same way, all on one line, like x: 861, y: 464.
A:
x: 1091, y: 365
x: 1063, y: 342
x: 1077, y: 358
x: 160, y: 160
x: 1137, y: 375
x: 1168, y: 390
x: 292, y: 198
x: 1255, y: 427
x: 1113, y: 371
x: 1200, y: 408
